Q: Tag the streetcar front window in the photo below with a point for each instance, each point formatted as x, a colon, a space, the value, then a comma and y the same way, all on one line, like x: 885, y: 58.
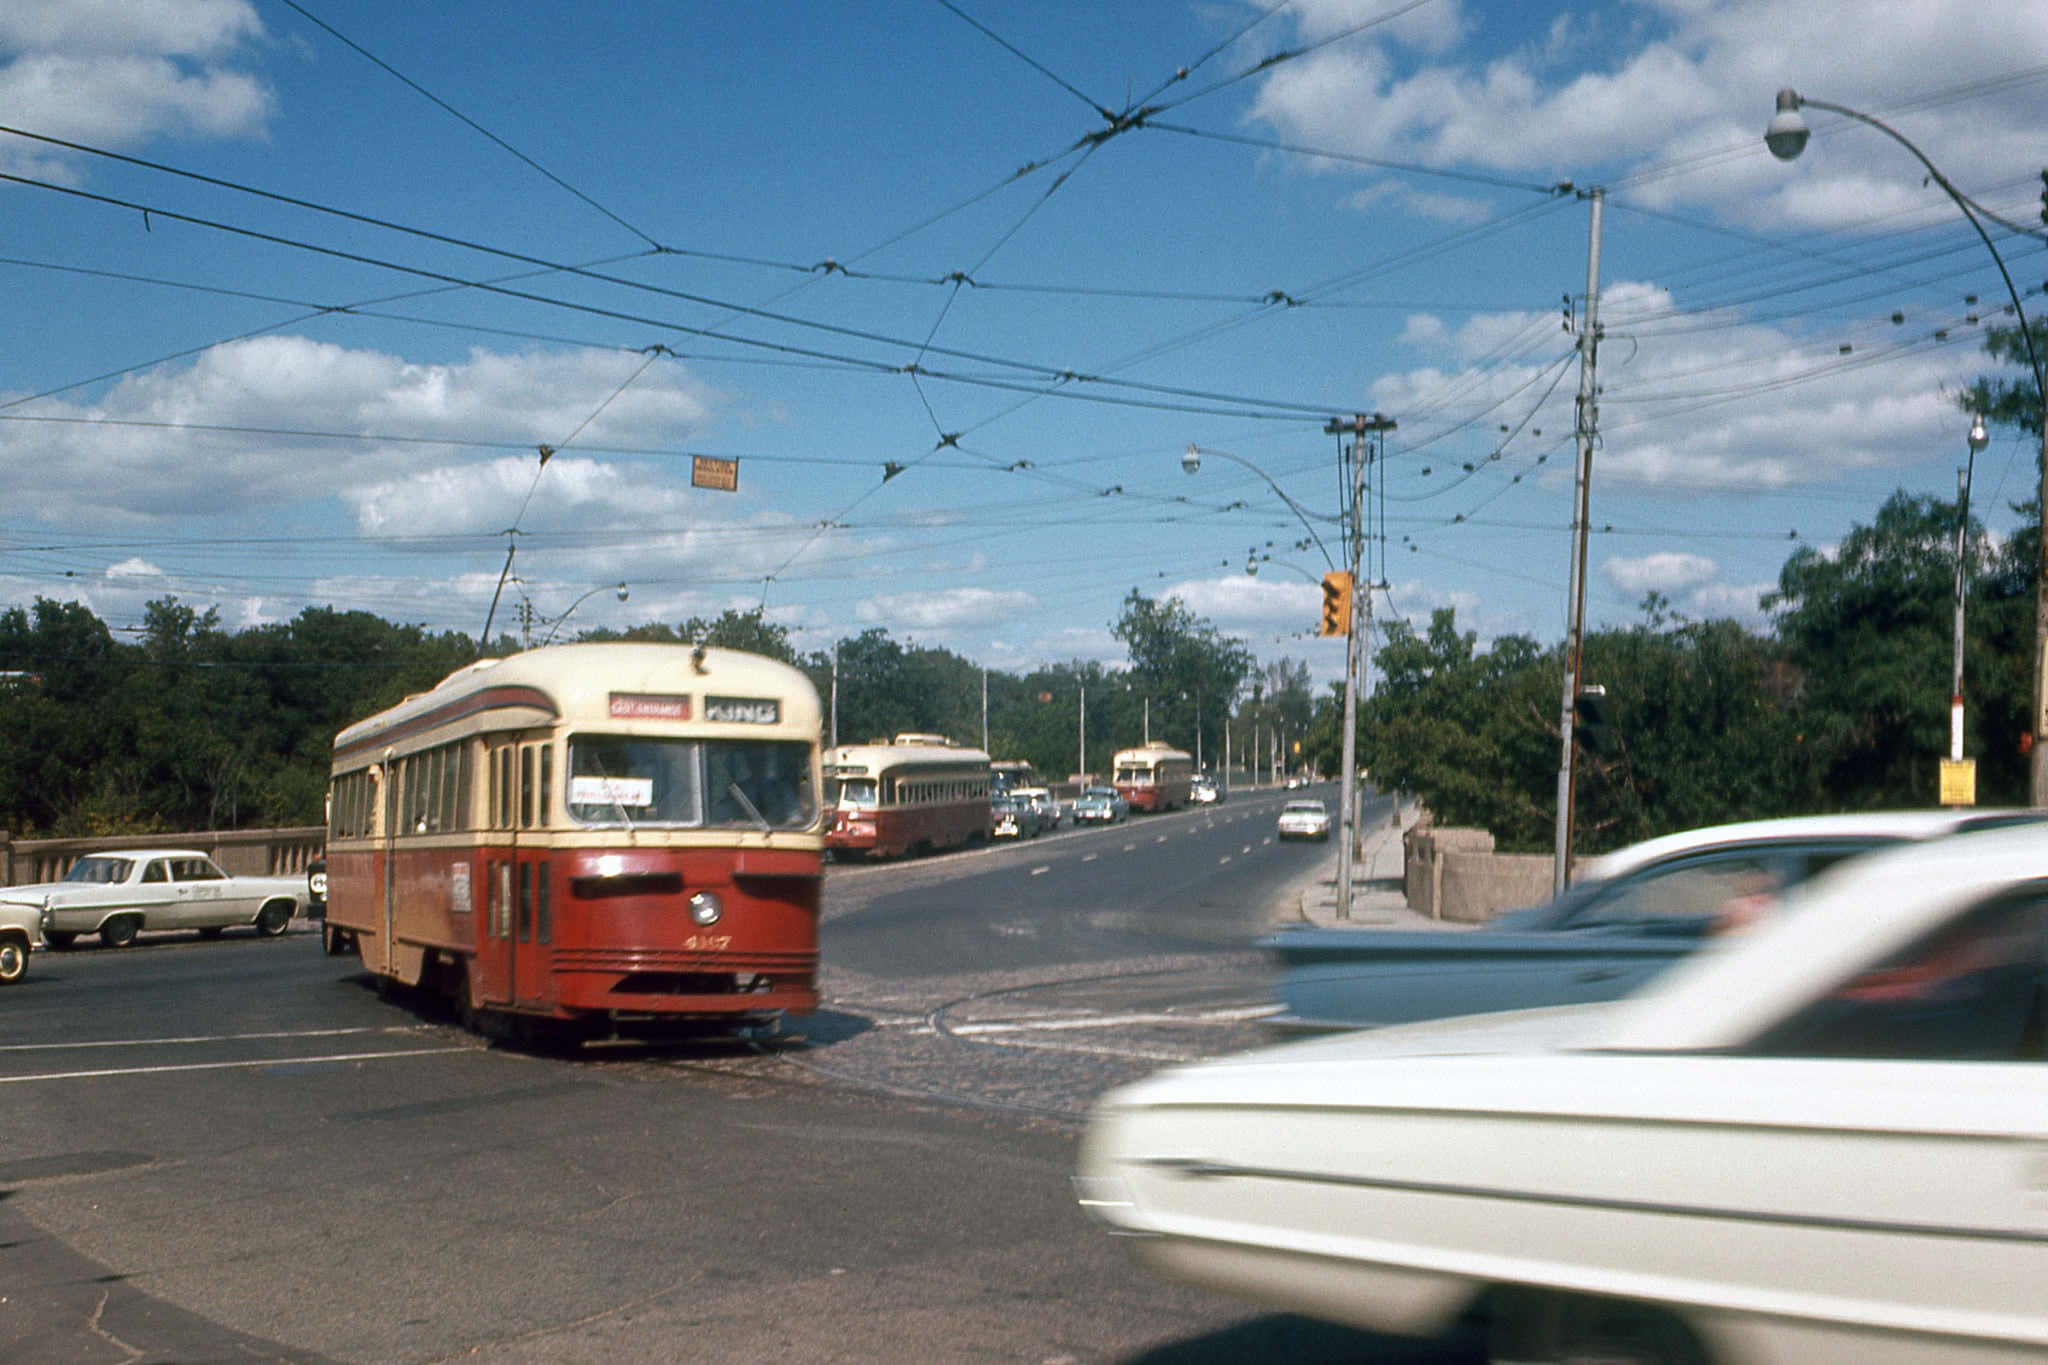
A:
x: 759, y: 783
x: 746, y: 784
x: 857, y: 793
x: 614, y: 780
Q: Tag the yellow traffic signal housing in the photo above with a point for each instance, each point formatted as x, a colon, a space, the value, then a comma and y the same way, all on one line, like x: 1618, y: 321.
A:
x: 1336, y: 604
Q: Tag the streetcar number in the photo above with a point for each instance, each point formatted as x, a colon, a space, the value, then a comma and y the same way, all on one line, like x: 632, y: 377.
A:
x: 708, y: 942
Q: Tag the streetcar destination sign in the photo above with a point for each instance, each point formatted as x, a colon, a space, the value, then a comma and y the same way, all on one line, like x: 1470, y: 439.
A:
x: 743, y: 710
x: 649, y: 706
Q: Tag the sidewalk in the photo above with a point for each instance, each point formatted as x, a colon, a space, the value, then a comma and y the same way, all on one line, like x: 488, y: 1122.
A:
x: 1378, y: 896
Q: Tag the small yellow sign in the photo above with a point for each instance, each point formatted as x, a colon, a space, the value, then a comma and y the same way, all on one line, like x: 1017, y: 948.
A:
x: 708, y: 471
x: 1959, y: 782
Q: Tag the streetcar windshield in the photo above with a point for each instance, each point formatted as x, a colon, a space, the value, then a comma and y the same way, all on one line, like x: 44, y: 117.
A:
x: 856, y: 793
x: 614, y: 780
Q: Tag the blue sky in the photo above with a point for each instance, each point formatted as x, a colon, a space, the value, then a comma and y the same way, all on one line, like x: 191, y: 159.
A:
x: 829, y: 241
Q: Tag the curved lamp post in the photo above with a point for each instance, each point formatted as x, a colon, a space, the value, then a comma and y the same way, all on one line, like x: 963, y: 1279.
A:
x: 619, y: 588
x: 1786, y: 137
x: 1191, y: 463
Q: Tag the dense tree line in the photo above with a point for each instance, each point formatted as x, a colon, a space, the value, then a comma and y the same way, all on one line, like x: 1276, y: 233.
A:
x: 189, y: 726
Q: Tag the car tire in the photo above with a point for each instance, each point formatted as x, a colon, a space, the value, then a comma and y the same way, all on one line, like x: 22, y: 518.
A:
x: 120, y: 931
x: 60, y: 939
x: 274, y: 918
x: 13, y: 960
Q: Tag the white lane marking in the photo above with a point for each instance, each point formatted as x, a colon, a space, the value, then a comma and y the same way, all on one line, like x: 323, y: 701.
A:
x: 215, y: 1038
x: 1246, y: 849
x: 1044, y: 1025
x: 1224, y: 859
x: 1160, y: 840
x: 228, y: 1066
x: 1141, y: 1054
x: 1090, y: 857
x: 1040, y: 871
x: 1129, y: 848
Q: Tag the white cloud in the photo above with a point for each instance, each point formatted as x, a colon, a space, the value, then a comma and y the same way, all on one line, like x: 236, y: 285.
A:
x: 1666, y: 572
x: 1681, y: 80
x: 945, y: 609
x: 119, y: 71
x: 86, y: 468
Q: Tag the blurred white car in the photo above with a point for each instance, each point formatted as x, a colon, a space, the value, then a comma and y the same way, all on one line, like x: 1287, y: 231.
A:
x: 21, y: 932
x: 1304, y: 819
x: 1824, y: 1138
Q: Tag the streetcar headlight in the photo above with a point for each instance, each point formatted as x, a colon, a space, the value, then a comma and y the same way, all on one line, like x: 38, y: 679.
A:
x: 705, y: 909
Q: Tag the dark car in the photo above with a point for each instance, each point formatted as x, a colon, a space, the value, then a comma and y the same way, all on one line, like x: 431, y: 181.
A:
x: 1012, y: 817
x: 1631, y: 914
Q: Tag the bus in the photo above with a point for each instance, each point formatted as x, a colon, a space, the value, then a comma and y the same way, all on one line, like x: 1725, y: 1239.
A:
x: 587, y: 840
x: 1155, y: 777
x: 913, y: 794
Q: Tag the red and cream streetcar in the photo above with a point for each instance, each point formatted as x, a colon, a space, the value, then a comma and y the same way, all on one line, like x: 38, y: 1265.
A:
x: 589, y: 839
x: 917, y: 794
x: 1156, y: 777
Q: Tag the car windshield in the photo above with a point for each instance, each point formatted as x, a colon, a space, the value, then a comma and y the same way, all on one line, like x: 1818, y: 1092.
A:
x: 100, y: 871
x: 1315, y: 807
x: 1106, y: 793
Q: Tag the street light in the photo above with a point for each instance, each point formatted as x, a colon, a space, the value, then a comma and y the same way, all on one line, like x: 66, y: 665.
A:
x: 619, y: 588
x: 1360, y: 426
x: 1786, y: 137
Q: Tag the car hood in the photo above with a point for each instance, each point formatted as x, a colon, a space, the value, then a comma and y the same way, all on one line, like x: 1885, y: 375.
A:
x: 1318, y: 1066
x: 31, y: 892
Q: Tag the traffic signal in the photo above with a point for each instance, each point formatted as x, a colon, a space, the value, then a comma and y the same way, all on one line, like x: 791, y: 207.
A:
x: 1593, y: 722
x: 1336, y: 604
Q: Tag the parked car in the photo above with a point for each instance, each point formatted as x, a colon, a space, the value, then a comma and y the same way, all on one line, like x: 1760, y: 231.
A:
x: 1630, y: 915
x: 1012, y: 817
x: 1821, y: 1140
x: 117, y: 895
x: 1050, y: 811
x: 1304, y: 818
x: 21, y: 933
x: 1100, y: 806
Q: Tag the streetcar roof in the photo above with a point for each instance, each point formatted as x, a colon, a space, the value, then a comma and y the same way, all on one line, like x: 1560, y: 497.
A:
x: 1154, y: 752
x: 876, y: 758
x: 588, y: 683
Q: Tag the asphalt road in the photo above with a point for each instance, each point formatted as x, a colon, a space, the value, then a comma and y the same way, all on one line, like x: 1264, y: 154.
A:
x: 238, y: 1150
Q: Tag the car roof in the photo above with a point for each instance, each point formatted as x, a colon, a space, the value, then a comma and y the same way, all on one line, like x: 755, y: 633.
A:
x: 1893, y: 825
x: 1857, y: 913
x: 137, y: 854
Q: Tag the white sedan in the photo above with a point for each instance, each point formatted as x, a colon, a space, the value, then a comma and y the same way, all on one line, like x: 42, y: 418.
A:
x: 1304, y: 819
x: 1823, y: 1139
x: 116, y: 895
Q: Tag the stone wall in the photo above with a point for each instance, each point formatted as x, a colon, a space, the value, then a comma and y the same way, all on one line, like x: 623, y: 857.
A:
x: 240, y: 852
x: 1454, y: 874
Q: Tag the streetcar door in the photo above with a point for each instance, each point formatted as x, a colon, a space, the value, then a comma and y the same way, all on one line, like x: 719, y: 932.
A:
x: 532, y: 897
x: 495, y: 941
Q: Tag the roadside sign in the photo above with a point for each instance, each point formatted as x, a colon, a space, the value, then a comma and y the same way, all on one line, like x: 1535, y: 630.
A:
x: 1959, y: 782
x: 708, y: 471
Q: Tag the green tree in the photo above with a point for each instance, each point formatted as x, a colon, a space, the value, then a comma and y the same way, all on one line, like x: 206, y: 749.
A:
x: 1184, y: 671
x: 1870, y: 630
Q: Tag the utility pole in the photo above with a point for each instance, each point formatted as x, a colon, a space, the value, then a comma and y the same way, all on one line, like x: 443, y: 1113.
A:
x: 1588, y: 426
x: 1356, y: 636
